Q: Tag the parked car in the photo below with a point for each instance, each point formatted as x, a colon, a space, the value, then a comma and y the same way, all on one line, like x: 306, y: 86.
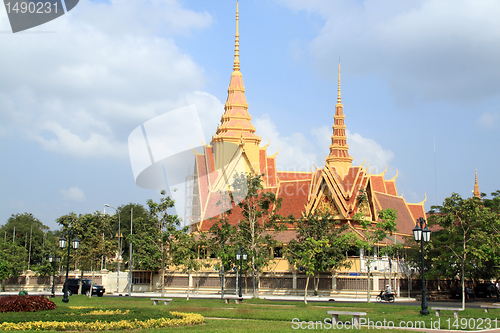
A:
x: 73, y: 285
x: 457, y: 293
x: 486, y: 290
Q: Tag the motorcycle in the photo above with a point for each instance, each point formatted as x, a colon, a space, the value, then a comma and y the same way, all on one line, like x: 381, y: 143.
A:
x: 386, y: 297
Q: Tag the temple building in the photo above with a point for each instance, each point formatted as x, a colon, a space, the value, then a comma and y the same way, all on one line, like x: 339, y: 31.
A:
x: 236, y: 147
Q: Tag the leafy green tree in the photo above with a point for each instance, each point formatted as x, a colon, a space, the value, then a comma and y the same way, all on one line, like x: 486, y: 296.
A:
x: 470, y: 229
x: 494, y: 203
x: 145, y: 239
x: 374, y: 232
x: 392, y: 250
x: 12, y: 262
x: 306, y: 256
x: 223, y: 246
x: 31, y: 234
x: 4, y: 273
x: 185, y: 254
x: 259, y: 223
x: 321, y: 246
x: 168, y: 232
x: 142, y: 225
x: 95, y: 235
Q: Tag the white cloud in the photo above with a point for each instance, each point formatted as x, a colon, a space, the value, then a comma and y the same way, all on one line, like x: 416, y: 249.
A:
x: 143, y: 17
x: 210, y: 110
x: 360, y: 148
x: 297, y: 152
x: 105, y: 70
x: 73, y: 194
x: 67, y: 142
x: 488, y: 120
x: 426, y: 49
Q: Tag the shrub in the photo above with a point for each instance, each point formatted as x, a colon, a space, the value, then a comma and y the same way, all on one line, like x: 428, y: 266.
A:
x: 25, y: 303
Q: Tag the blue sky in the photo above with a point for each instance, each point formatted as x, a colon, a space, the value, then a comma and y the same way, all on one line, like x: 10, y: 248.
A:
x: 419, y: 85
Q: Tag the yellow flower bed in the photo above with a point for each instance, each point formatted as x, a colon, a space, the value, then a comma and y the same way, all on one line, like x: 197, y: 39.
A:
x: 107, y: 312
x: 182, y: 319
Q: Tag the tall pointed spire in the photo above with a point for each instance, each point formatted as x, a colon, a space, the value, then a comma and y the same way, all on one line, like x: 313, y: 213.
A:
x: 339, y: 100
x: 339, y: 150
x: 476, y: 192
x: 236, y: 66
x: 236, y: 126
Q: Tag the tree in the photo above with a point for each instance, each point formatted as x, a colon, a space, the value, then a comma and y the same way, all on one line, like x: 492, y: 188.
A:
x: 185, y: 254
x: 321, y: 246
x: 494, y: 203
x: 260, y: 220
x: 390, y: 250
x: 470, y: 229
x: 374, y: 232
x: 95, y: 235
x: 25, y: 230
x: 222, y: 245
x: 12, y: 263
x: 167, y: 232
x: 146, y: 254
x: 142, y: 226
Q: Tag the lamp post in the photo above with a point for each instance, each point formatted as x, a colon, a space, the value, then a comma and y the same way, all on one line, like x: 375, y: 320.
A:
x: 130, y: 256
x: 62, y: 245
x: 240, y: 256
x: 52, y: 260
x: 119, y: 246
x: 422, y: 234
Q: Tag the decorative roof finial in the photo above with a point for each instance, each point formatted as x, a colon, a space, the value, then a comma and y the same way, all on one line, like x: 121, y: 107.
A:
x: 476, y: 192
x: 339, y: 100
x: 236, y: 66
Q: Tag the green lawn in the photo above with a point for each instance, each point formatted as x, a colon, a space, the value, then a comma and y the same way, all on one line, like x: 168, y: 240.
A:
x: 250, y: 316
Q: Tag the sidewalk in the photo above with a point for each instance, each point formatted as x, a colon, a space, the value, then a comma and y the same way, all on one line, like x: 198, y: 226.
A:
x: 291, y: 298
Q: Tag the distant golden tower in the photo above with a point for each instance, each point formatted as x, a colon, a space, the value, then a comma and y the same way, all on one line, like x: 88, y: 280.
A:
x: 476, y: 192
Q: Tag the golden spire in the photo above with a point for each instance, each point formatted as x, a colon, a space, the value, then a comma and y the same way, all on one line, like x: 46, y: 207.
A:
x: 339, y: 100
x: 236, y: 66
x: 339, y: 150
x: 476, y: 192
x: 235, y: 125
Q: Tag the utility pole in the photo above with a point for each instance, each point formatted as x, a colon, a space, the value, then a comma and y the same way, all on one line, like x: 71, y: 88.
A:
x: 130, y: 263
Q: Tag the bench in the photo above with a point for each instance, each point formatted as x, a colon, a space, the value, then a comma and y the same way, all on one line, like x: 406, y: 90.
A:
x: 236, y: 299
x: 355, y: 316
x: 487, y: 307
x: 455, y: 311
x: 164, y: 300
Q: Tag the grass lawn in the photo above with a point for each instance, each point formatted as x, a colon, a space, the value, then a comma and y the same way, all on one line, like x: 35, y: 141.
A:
x: 250, y: 316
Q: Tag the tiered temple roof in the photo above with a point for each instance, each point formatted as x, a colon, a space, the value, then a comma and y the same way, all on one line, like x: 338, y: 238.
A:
x: 236, y: 148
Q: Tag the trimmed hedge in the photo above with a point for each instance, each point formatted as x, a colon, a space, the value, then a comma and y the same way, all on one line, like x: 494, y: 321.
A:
x: 25, y: 303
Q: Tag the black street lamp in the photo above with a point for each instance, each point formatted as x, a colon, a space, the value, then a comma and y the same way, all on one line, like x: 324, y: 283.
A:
x: 62, y: 245
x: 422, y: 234
x: 240, y: 256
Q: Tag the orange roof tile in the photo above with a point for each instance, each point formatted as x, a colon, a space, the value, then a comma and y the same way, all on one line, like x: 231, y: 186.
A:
x: 391, y: 188
x: 405, y: 221
x: 378, y: 183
